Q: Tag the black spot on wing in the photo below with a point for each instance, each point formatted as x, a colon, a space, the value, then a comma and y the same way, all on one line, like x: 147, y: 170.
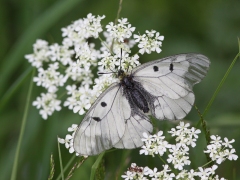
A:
x: 103, y: 104
x: 155, y: 68
x: 96, y: 119
x: 171, y: 67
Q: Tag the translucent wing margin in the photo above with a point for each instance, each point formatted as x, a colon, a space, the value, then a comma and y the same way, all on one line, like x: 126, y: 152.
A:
x: 104, y: 124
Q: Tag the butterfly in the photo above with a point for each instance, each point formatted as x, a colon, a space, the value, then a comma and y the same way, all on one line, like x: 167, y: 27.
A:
x: 120, y: 115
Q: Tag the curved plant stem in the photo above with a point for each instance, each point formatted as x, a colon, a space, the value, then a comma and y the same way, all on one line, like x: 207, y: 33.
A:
x: 118, y: 14
x: 60, y: 160
x: 23, y: 125
x: 220, y: 85
x: 67, y: 166
x: 119, y: 11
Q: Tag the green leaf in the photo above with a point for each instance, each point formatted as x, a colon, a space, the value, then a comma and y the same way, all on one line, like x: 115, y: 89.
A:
x: 96, y: 165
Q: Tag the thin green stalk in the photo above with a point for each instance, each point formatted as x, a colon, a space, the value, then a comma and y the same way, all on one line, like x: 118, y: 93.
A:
x: 60, y: 160
x: 206, y: 133
x: 162, y: 159
x: 75, y: 166
x: 23, y: 125
x: 119, y: 11
x: 204, y: 125
x: 118, y: 14
x: 238, y: 45
x: 220, y: 85
x: 67, y: 166
x: 95, y: 165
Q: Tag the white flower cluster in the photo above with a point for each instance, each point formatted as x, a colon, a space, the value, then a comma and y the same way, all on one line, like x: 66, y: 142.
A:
x: 145, y: 173
x: 148, y: 43
x: 220, y: 150
x: 73, y: 63
x: 155, y: 144
x: 178, y: 155
x: 68, y: 141
x: 47, y: 104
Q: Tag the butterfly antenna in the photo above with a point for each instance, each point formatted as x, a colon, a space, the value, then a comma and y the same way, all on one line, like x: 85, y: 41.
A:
x: 121, y: 61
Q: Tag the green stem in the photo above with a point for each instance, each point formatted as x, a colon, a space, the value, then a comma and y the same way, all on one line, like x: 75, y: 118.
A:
x: 67, y: 166
x: 220, y: 85
x: 204, y: 125
x: 118, y: 14
x: 23, y: 125
x: 206, y: 133
x: 60, y: 160
x: 105, y: 44
x: 119, y: 11
x: 162, y: 159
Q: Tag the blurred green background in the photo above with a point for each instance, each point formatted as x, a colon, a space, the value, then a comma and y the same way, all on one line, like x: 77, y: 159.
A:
x: 207, y: 27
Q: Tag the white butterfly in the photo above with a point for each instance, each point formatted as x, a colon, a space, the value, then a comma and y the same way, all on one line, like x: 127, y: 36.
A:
x: 119, y: 116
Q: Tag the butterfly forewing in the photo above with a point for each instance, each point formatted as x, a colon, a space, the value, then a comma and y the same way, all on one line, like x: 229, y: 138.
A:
x: 190, y: 68
x: 104, y: 124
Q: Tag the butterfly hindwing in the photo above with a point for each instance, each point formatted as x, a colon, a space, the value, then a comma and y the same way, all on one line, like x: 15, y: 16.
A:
x: 168, y: 83
x: 163, y: 107
x: 136, y: 125
x: 104, y: 124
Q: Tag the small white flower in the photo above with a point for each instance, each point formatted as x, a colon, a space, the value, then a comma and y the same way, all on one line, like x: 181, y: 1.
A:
x: 182, y: 174
x: 216, y: 140
x: 120, y: 31
x: 146, y: 150
x: 230, y: 155
x: 73, y: 128
x: 39, y: 56
x: 203, y: 173
x: 154, y: 173
x: 148, y: 43
x: 191, y: 174
x: 50, y: 79
x: 147, y: 137
x: 47, y: 104
x: 212, y: 169
x: 227, y: 143
x: 182, y: 126
x: 128, y: 175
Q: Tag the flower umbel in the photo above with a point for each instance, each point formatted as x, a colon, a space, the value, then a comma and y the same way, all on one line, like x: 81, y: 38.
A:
x: 219, y: 151
x: 72, y: 64
x: 178, y: 154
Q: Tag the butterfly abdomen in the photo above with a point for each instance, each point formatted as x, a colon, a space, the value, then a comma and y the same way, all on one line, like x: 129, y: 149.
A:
x: 135, y: 96
x: 139, y: 100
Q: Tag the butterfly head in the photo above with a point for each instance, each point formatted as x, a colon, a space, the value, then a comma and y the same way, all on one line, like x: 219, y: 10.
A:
x: 121, y: 74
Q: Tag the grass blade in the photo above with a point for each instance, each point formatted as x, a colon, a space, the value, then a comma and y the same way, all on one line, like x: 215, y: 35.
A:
x: 23, y: 125
x: 95, y: 165
x: 38, y: 27
x: 60, y: 160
